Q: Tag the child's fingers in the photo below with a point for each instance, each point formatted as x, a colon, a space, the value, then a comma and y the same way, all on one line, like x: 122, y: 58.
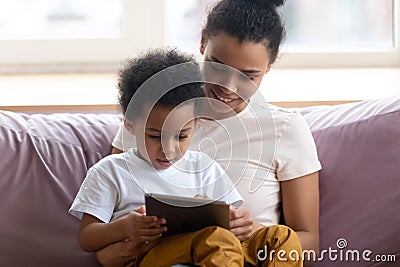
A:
x: 149, y: 225
x: 152, y: 231
x: 141, y: 210
x: 146, y: 219
x: 152, y: 222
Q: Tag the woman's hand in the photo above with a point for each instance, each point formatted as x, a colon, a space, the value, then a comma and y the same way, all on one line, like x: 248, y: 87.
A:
x: 240, y: 222
x: 121, y: 253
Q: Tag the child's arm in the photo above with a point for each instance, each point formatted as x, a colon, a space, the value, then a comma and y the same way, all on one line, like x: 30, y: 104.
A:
x: 93, y: 234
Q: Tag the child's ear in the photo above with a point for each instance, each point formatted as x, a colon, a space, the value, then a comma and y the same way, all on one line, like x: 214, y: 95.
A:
x: 129, y: 126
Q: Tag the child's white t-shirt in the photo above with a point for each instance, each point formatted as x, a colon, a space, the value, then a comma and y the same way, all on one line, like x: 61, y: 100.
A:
x: 258, y: 148
x: 116, y: 184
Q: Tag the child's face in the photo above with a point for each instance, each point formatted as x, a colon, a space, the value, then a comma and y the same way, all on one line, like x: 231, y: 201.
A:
x: 251, y: 59
x: 167, y: 134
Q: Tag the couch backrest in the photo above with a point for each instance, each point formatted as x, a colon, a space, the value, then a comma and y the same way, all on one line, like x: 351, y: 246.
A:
x: 359, y: 148
x: 44, y: 159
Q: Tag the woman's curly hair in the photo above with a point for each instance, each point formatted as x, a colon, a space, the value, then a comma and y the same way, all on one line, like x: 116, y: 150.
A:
x: 255, y: 21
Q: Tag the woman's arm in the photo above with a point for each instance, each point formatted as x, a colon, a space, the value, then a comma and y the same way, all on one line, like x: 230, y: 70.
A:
x: 118, y: 254
x: 300, y: 199
x: 116, y: 150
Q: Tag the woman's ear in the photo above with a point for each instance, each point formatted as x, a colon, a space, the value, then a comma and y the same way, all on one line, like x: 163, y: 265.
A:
x: 203, y: 43
x: 129, y: 126
x: 268, y: 68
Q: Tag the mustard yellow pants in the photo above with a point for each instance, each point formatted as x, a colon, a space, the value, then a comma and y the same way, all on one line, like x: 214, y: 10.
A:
x: 215, y: 246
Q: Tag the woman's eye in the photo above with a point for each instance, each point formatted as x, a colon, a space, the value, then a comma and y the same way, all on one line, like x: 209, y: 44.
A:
x: 154, y: 136
x: 184, y: 136
x: 219, y: 67
x: 246, y: 78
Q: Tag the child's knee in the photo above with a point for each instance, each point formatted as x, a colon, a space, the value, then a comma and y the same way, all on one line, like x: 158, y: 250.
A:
x: 218, y: 236
x: 219, y: 232
x: 217, y: 246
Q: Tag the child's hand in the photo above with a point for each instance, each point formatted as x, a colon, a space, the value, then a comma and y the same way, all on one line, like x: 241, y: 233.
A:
x: 142, y: 230
x: 240, y: 222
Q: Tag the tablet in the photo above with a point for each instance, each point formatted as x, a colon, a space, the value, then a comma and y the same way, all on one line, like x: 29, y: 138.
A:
x: 185, y: 214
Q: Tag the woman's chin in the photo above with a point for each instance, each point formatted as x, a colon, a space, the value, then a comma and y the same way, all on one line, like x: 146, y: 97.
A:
x: 223, y: 108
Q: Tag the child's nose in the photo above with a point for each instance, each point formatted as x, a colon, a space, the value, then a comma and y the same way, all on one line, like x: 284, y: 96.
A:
x: 168, y: 149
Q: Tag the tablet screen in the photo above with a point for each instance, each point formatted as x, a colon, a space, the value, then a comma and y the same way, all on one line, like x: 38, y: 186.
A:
x: 184, y: 214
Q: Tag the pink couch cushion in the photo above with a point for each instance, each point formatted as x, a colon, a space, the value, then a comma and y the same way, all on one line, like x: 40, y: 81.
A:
x: 359, y: 148
x: 44, y: 159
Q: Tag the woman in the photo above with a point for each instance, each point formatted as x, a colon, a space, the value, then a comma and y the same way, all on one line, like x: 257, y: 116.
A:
x: 246, y: 35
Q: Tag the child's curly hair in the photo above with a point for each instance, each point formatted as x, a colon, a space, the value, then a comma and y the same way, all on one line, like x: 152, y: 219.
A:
x: 175, y: 79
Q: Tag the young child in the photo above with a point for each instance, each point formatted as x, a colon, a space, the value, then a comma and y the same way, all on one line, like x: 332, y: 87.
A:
x: 110, y: 200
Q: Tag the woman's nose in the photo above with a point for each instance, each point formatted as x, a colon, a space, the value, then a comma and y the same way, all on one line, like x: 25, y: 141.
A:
x: 228, y: 89
x: 229, y: 84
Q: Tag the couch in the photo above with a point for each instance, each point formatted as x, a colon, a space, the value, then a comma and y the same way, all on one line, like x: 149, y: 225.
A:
x: 44, y: 158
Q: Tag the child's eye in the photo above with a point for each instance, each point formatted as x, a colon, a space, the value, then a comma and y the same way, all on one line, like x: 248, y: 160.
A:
x: 182, y: 136
x: 154, y: 136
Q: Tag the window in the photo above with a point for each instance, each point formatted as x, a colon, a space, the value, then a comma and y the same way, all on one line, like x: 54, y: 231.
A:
x: 62, y: 19
x: 332, y: 33
x: 75, y: 35
x: 339, y: 25
x: 183, y: 26
x: 96, y: 35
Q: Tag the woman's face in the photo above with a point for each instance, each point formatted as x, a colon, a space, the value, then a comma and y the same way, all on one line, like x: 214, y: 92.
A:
x: 232, y: 89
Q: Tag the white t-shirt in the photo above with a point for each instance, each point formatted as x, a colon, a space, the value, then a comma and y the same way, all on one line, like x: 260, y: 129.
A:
x: 258, y: 148
x: 116, y: 184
